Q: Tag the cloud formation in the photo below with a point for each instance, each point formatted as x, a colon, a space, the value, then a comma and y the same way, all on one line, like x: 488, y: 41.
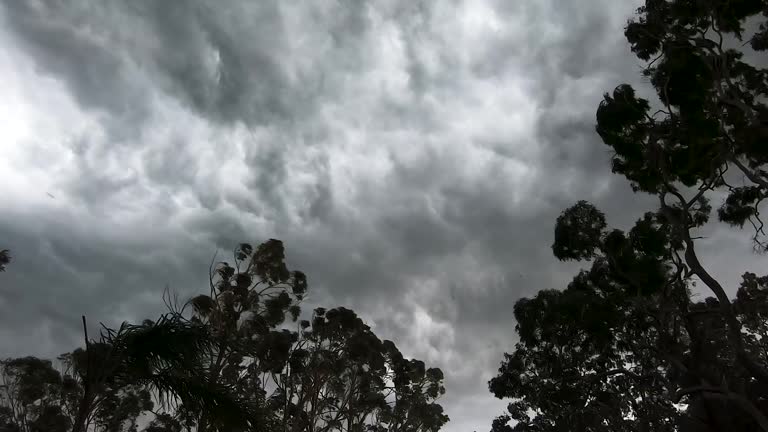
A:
x: 412, y: 155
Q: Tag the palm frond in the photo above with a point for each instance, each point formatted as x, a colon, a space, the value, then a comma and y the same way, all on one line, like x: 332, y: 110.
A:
x: 221, y: 405
x: 168, y: 356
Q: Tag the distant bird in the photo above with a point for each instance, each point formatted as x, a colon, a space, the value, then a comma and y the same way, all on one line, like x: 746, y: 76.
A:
x: 50, y: 195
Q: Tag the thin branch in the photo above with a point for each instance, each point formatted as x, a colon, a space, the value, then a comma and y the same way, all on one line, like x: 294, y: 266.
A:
x: 754, y: 178
x: 692, y: 260
x: 210, y: 273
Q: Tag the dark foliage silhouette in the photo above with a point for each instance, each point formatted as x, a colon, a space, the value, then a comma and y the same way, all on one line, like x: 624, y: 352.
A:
x: 228, y: 361
x: 5, y: 259
x: 625, y: 346
x: 342, y: 377
x: 329, y: 374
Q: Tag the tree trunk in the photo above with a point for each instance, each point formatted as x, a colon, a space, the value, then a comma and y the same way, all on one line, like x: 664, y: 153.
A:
x: 726, y: 308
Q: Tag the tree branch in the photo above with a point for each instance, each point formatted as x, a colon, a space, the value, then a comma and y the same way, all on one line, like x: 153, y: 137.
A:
x: 726, y: 308
x: 745, y: 404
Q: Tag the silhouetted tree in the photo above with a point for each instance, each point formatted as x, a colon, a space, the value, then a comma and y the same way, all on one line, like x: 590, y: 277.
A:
x: 167, y: 357
x: 33, y: 396
x: 625, y: 341
x: 340, y: 376
x: 227, y: 361
x: 109, y: 384
x: 244, y: 311
x: 331, y: 374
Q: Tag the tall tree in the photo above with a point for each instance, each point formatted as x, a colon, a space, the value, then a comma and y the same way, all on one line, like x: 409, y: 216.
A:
x: 245, y: 308
x: 713, y: 118
x: 165, y: 357
x: 33, y: 396
x: 341, y: 377
x: 229, y: 361
x: 652, y: 345
x: 109, y: 384
x: 624, y: 341
x: 330, y: 374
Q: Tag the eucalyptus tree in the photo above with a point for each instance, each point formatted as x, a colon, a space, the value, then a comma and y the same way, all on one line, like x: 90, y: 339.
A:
x: 625, y: 346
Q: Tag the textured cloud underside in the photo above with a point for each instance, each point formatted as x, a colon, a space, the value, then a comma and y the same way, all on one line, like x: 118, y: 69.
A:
x: 412, y: 155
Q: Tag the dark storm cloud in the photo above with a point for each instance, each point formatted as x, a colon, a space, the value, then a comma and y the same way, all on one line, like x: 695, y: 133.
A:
x: 412, y: 155
x: 219, y: 58
x: 66, y: 266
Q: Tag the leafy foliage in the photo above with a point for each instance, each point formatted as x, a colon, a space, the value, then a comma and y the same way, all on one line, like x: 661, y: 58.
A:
x: 330, y: 374
x: 32, y: 396
x: 227, y: 362
x: 625, y: 342
x: 578, y: 231
x: 714, y: 113
x: 586, y: 359
x: 340, y: 376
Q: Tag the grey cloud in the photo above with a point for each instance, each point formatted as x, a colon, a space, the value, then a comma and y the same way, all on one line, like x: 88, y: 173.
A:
x: 186, y: 49
x: 159, y: 162
x: 64, y: 267
x: 230, y: 61
x: 97, y: 75
x: 372, y: 138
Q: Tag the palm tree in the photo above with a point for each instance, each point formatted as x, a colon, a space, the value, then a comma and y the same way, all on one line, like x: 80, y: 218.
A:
x: 165, y: 356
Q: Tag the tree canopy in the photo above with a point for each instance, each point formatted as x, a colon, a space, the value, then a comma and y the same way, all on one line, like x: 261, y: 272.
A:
x: 228, y: 361
x: 625, y: 346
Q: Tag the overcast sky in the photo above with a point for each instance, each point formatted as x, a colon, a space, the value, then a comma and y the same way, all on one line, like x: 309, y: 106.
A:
x: 412, y: 155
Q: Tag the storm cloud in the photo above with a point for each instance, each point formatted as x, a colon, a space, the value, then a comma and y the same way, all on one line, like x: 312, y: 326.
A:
x: 412, y: 155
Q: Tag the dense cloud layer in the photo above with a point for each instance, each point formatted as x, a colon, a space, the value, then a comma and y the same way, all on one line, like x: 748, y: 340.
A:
x: 413, y: 156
